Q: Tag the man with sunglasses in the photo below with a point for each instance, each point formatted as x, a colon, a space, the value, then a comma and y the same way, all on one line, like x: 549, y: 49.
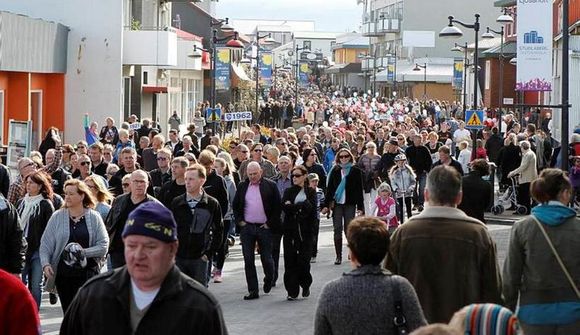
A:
x: 162, y: 174
x: 257, y: 155
x: 84, y: 164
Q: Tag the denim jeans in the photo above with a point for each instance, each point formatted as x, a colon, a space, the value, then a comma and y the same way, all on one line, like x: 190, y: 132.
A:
x: 420, y: 188
x: 194, y: 268
x: 32, y: 276
x: 249, y: 235
x: 341, y: 217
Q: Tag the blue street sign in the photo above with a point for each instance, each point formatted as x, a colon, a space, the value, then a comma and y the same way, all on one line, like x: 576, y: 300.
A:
x: 474, y: 119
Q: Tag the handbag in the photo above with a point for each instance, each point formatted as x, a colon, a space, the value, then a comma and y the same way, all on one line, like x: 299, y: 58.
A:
x: 399, y: 320
x: 568, y: 276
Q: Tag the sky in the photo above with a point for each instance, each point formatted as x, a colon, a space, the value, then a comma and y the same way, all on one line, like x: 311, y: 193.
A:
x: 329, y: 15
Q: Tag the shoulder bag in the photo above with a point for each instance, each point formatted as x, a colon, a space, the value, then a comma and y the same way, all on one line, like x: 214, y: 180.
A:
x: 399, y: 320
x: 543, y: 230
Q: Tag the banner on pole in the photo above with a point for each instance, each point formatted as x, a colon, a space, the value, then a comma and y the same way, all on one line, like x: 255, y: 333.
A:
x: 303, y: 73
x: 222, y: 69
x: 534, y: 53
x: 458, y: 73
x: 391, y: 69
x: 266, y: 69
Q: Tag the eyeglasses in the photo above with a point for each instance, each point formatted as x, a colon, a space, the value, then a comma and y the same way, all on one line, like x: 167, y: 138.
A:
x: 81, y: 147
x: 125, y: 184
x: 257, y: 150
x: 84, y: 163
x: 297, y: 175
x: 343, y: 156
x: 161, y: 158
x: 312, y: 155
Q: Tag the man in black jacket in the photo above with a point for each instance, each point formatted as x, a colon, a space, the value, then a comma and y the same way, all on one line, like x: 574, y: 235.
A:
x: 162, y: 174
x: 477, y: 193
x: 199, y: 225
x: 98, y: 164
x: 120, y: 209
x: 257, y: 207
x: 176, y: 187
x: 445, y: 158
x: 12, y: 243
x: 420, y: 160
x: 168, y: 303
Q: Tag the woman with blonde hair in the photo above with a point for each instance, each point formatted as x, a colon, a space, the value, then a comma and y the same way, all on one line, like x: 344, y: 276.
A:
x: 74, y: 243
x: 102, y: 195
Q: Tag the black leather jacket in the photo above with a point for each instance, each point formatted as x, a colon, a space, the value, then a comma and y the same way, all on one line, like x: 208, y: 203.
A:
x: 182, y: 306
x: 12, y: 244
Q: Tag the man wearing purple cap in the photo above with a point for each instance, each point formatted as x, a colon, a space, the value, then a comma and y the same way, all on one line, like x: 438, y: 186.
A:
x: 149, y: 295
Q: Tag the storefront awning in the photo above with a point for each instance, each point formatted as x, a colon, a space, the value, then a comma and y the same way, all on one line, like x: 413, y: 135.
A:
x: 240, y: 73
x: 344, y: 68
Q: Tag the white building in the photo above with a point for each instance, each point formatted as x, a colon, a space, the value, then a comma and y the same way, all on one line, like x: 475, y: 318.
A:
x: 120, y: 59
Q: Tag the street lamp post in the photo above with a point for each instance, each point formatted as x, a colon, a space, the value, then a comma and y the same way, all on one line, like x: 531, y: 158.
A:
x: 453, y: 32
x: 418, y: 67
x: 501, y: 33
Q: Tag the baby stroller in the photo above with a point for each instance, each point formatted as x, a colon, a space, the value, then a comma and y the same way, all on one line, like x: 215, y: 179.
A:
x: 509, y: 199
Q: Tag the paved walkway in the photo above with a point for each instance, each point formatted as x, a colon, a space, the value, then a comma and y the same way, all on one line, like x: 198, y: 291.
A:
x: 272, y: 313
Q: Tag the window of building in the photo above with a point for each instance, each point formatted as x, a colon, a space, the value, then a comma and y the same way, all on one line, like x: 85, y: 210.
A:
x: 307, y: 45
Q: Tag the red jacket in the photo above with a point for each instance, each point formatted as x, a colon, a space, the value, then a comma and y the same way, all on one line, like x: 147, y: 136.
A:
x: 18, y: 313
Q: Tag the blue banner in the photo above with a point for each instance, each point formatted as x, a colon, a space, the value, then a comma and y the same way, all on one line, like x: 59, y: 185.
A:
x: 303, y: 73
x: 458, y: 73
x: 222, y: 69
x: 266, y: 69
x: 391, y: 69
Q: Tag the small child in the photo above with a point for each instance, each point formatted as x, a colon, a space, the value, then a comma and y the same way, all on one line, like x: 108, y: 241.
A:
x: 403, y: 180
x: 480, y: 151
x: 313, y: 184
x: 385, y: 207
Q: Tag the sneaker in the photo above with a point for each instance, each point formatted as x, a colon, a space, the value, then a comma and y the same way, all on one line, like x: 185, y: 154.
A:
x: 213, y: 272
x: 291, y: 298
x: 218, y: 277
x: 231, y: 241
x: 313, y: 260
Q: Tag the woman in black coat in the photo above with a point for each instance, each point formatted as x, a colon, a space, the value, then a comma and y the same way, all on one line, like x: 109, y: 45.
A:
x: 109, y: 133
x: 35, y: 209
x: 509, y: 158
x: 299, y: 205
x: 344, y: 196
x: 310, y: 158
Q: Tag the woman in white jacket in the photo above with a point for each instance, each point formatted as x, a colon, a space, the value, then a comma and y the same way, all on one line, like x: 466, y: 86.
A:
x: 464, y: 156
x: 403, y: 181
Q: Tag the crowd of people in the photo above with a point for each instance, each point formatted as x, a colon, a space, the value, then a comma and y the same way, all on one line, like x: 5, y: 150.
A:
x: 397, y: 177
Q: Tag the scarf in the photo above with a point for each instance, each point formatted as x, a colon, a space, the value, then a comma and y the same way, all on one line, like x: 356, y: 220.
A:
x: 29, y: 207
x: 342, y: 186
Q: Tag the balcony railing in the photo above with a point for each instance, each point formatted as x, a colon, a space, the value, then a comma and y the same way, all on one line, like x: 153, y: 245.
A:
x: 381, y: 26
x: 370, y: 64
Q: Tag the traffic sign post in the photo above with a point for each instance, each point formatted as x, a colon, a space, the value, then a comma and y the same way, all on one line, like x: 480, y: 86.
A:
x: 474, y: 119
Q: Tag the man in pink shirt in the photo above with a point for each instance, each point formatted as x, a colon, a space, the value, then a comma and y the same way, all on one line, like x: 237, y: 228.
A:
x: 257, y: 206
